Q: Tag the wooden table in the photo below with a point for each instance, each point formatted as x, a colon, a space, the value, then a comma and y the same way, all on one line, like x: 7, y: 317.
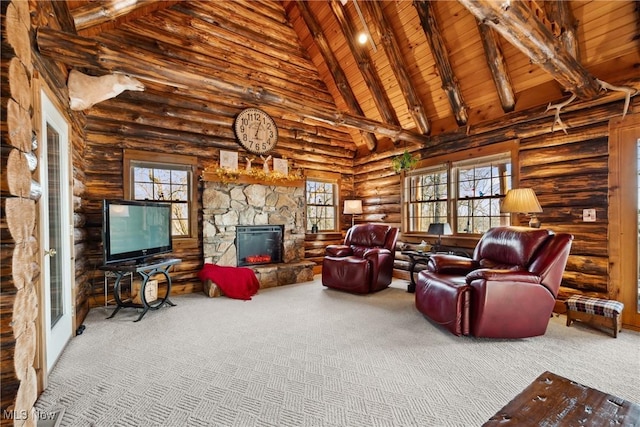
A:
x: 553, y: 401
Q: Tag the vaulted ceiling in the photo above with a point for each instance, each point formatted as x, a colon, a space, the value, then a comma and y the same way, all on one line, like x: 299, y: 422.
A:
x: 429, y: 67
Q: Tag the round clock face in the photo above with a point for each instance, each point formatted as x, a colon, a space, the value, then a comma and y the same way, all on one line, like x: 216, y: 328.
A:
x: 256, y: 131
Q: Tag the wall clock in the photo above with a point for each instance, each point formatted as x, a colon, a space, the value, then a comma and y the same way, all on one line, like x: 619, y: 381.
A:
x: 256, y: 131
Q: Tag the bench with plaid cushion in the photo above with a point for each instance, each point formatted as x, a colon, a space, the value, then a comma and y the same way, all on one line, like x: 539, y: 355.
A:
x: 595, y: 311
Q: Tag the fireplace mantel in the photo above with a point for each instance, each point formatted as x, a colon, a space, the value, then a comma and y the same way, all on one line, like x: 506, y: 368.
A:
x: 248, y: 180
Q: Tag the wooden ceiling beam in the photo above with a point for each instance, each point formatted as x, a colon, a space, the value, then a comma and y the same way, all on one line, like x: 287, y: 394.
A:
x: 392, y: 50
x: 99, y: 12
x: 559, y: 11
x: 365, y: 65
x: 518, y: 25
x: 111, y: 56
x: 450, y: 84
x: 339, y: 77
x: 498, y: 67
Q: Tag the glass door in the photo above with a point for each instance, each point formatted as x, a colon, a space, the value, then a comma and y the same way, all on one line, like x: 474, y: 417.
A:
x: 55, y: 234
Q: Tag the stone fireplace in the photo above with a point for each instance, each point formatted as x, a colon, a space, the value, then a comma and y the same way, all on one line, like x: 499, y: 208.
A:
x: 244, y: 202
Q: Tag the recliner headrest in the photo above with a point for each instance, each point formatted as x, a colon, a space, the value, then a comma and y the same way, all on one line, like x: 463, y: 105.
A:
x: 511, y: 246
x: 371, y: 235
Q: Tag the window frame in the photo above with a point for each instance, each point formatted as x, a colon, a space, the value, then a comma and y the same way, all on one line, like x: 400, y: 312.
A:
x: 511, y: 147
x: 131, y: 158
x: 326, y: 178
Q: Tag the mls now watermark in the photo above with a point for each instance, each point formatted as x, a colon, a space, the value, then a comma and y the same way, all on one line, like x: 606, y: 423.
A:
x: 23, y: 414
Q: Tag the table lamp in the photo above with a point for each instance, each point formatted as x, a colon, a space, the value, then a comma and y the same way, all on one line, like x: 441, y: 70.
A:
x: 353, y: 208
x: 522, y: 200
x: 439, y: 228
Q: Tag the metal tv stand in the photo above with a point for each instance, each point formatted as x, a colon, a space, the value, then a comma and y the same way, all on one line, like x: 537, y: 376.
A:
x: 146, y: 271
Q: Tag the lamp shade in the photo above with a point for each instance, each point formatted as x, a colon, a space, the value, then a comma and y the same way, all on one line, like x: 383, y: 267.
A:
x: 439, y: 228
x: 521, y: 200
x: 352, y: 207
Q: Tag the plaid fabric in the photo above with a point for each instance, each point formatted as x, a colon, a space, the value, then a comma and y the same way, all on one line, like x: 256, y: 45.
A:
x: 601, y: 307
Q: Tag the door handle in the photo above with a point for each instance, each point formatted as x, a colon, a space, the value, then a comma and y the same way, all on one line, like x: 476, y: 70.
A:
x: 51, y: 252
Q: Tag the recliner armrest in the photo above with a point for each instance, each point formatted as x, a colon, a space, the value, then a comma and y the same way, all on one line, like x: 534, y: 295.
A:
x: 521, y: 276
x: 375, y: 252
x: 338, y: 250
x: 451, y: 264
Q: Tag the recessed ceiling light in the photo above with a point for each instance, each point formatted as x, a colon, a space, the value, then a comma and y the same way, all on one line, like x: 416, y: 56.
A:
x: 362, y: 38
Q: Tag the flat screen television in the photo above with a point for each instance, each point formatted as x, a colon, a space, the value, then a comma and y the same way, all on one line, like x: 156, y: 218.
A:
x: 135, y: 230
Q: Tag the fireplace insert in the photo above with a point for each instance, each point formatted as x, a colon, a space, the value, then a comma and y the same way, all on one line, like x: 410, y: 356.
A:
x: 259, y: 244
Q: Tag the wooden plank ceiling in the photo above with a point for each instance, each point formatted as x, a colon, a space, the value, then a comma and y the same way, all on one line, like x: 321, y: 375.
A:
x: 429, y: 67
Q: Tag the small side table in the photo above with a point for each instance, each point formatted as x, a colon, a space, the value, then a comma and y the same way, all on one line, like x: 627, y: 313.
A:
x: 416, y: 257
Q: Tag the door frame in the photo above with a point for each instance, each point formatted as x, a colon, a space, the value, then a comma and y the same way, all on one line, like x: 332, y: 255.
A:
x: 41, y: 90
x: 623, y: 218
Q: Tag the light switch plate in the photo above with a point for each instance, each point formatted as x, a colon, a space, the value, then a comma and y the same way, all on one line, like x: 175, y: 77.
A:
x: 589, y: 215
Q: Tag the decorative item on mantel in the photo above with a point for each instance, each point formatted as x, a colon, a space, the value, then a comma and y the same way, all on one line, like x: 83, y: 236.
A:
x: 403, y: 162
x: 226, y: 173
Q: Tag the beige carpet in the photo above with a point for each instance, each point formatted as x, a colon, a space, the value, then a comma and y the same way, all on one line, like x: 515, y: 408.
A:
x: 304, y: 355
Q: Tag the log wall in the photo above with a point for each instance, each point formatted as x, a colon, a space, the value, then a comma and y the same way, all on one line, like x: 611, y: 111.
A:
x: 569, y: 173
x: 195, y: 120
x: 20, y: 268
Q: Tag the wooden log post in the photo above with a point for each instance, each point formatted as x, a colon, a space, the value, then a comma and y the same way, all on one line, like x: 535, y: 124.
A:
x: 19, y: 215
x: 498, y: 67
x: 441, y: 56
x: 365, y: 65
x: 335, y: 69
x: 400, y: 69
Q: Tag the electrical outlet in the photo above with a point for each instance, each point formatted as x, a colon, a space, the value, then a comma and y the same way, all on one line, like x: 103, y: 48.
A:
x: 589, y: 215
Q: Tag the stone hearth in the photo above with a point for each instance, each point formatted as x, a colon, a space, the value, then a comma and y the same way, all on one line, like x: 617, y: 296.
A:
x: 230, y: 204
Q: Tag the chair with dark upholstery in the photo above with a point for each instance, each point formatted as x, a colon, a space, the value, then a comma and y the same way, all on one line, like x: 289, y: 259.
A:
x: 507, y: 290
x: 364, y: 263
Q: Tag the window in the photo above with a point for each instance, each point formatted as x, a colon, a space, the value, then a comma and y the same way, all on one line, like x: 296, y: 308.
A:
x: 465, y: 193
x: 480, y: 187
x: 321, y: 198
x: 164, y: 178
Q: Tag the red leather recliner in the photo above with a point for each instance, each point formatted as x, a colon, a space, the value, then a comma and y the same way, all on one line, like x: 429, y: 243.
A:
x: 507, y: 290
x: 364, y: 263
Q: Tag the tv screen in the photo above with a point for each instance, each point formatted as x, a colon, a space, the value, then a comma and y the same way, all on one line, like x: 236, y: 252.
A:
x: 135, y: 230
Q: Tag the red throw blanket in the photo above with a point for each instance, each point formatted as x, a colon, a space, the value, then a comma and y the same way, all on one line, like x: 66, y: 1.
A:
x: 234, y: 282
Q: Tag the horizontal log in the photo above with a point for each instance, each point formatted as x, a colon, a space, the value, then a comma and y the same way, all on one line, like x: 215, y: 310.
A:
x: 17, y: 26
x: 19, y: 126
x: 92, y: 14
x: 590, y: 148
x: 597, y: 181
x: 256, y: 26
x: 596, y: 131
x: 234, y: 71
x: 20, y: 84
x: 81, y: 52
x: 584, y: 167
x: 584, y: 282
